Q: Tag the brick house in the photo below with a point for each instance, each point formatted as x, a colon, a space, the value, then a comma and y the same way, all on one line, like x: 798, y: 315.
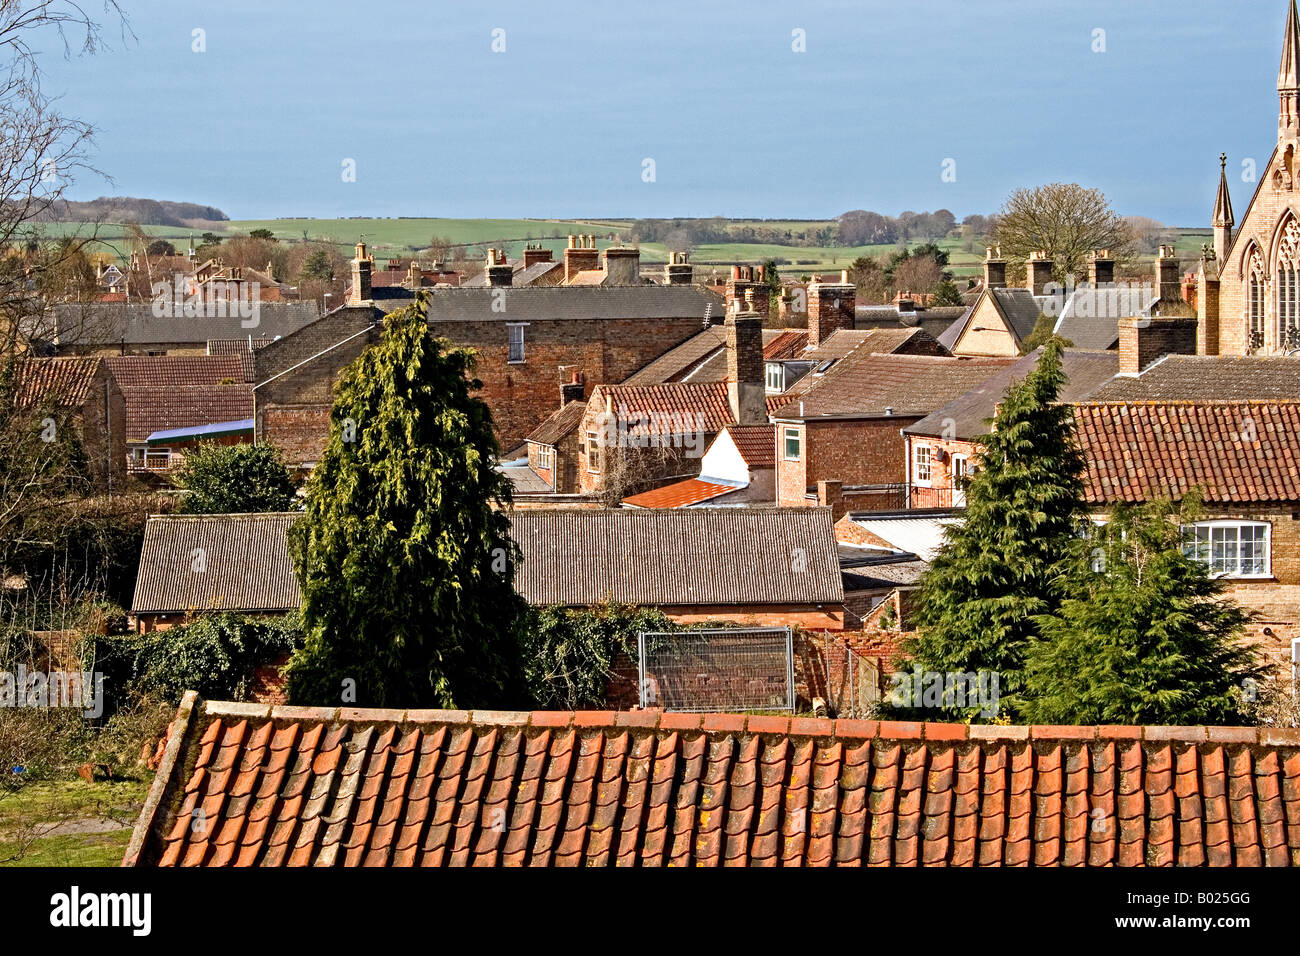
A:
x: 845, y: 428
x: 553, y: 449
x: 86, y: 389
x: 756, y: 566
x: 190, y: 564
x: 739, y: 468
x: 942, y: 449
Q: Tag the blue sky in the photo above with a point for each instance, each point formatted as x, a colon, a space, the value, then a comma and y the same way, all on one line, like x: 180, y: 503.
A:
x: 737, y: 123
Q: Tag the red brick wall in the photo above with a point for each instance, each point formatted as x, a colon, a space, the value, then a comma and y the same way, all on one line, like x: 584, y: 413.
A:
x: 940, y: 492
x: 300, y: 432
x: 854, y: 452
x: 605, y: 351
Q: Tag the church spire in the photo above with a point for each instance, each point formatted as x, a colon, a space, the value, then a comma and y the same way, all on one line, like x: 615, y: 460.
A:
x: 1288, y: 75
x: 1223, y: 219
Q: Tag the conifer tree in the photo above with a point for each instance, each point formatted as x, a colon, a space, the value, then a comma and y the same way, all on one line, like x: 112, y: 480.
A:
x: 1145, y: 637
x: 404, y: 554
x: 999, y: 568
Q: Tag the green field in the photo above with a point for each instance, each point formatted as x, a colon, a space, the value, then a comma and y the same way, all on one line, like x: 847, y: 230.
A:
x: 69, y: 822
x: 400, y: 238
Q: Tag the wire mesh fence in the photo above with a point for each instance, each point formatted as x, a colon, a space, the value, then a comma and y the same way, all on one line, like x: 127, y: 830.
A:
x: 733, y: 669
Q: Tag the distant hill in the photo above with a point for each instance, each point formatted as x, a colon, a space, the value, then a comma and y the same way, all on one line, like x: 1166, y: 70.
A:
x: 146, y: 212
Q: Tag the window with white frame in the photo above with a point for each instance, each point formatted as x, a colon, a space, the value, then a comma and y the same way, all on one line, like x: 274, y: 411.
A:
x: 516, y: 333
x: 775, y: 377
x: 921, y: 464
x: 1234, y: 549
x: 545, y: 457
x: 593, y: 452
x: 792, y: 444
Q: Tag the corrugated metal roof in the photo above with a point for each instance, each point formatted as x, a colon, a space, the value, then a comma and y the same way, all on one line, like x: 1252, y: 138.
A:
x: 216, y: 562
x: 202, y: 431
x: 689, y: 556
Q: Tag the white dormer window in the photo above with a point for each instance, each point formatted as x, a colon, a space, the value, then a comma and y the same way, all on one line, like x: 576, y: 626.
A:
x: 775, y: 377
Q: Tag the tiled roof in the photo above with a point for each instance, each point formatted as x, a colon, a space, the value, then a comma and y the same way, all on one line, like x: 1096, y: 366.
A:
x: 561, y: 422
x: 1202, y: 377
x: 68, y: 380
x: 1239, y: 452
x: 786, y: 344
x: 224, y: 562
x: 136, y: 324
x: 871, y: 384
x: 965, y: 417
x: 173, y: 370
x: 541, y: 303
x: 681, y: 400
x: 237, y: 346
x: 1089, y: 318
x: 681, y: 359
x: 255, y: 785
x: 154, y: 408
x: 689, y: 556
x: 525, y: 481
x: 756, y: 444
x: 852, y: 345
x: 681, y: 494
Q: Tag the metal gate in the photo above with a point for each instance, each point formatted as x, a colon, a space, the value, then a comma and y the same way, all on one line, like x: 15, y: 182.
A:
x: 728, y: 669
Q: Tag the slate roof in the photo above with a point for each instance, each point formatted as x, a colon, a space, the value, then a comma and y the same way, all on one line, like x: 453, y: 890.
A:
x: 66, y: 380
x: 681, y: 494
x: 871, y: 384
x: 560, y: 423
x: 680, y: 359
x: 1208, y: 377
x: 542, y: 303
x: 135, y: 323
x: 307, y: 786
x: 883, y: 576
x: 525, y: 481
x: 1100, y: 331
x: 245, y: 564
x: 175, y: 370
x: 157, y: 407
x: 932, y: 321
x: 688, y: 556
x: 1235, y: 452
x: 965, y: 417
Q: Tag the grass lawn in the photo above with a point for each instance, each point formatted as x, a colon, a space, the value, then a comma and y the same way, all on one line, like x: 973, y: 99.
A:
x: 73, y: 823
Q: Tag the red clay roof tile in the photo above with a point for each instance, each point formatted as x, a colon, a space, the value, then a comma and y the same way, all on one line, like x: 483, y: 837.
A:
x: 315, y: 787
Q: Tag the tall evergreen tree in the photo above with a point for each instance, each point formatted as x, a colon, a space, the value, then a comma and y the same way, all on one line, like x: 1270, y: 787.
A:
x: 1000, y: 568
x: 1145, y: 637
x: 404, y: 555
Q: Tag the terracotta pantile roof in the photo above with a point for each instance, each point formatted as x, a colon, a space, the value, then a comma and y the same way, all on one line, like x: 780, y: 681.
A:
x: 305, y: 786
x: 1239, y: 452
x: 153, y: 408
x: 871, y: 384
x: 245, y: 564
x: 172, y: 370
x: 560, y: 423
x: 691, y: 556
x: 67, y: 380
x: 1208, y: 377
x: 965, y: 417
x: 756, y: 444
x: 681, y: 494
x: 684, y: 402
x: 787, y: 344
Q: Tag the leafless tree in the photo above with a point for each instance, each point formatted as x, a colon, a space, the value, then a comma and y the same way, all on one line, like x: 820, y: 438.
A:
x: 1065, y: 220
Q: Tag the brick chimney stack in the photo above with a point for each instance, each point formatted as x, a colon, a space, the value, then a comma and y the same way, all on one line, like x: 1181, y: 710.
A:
x: 1038, y: 272
x: 535, y: 254
x: 499, y: 270
x: 746, y: 392
x: 995, y: 268
x: 572, y: 387
x: 679, y: 271
x: 622, y: 266
x: 1101, y: 268
x: 831, y: 306
x: 744, y: 280
x: 580, y: 255
x: 1169, y: 276
x: 361, y: 269
x: 1143, y: 340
